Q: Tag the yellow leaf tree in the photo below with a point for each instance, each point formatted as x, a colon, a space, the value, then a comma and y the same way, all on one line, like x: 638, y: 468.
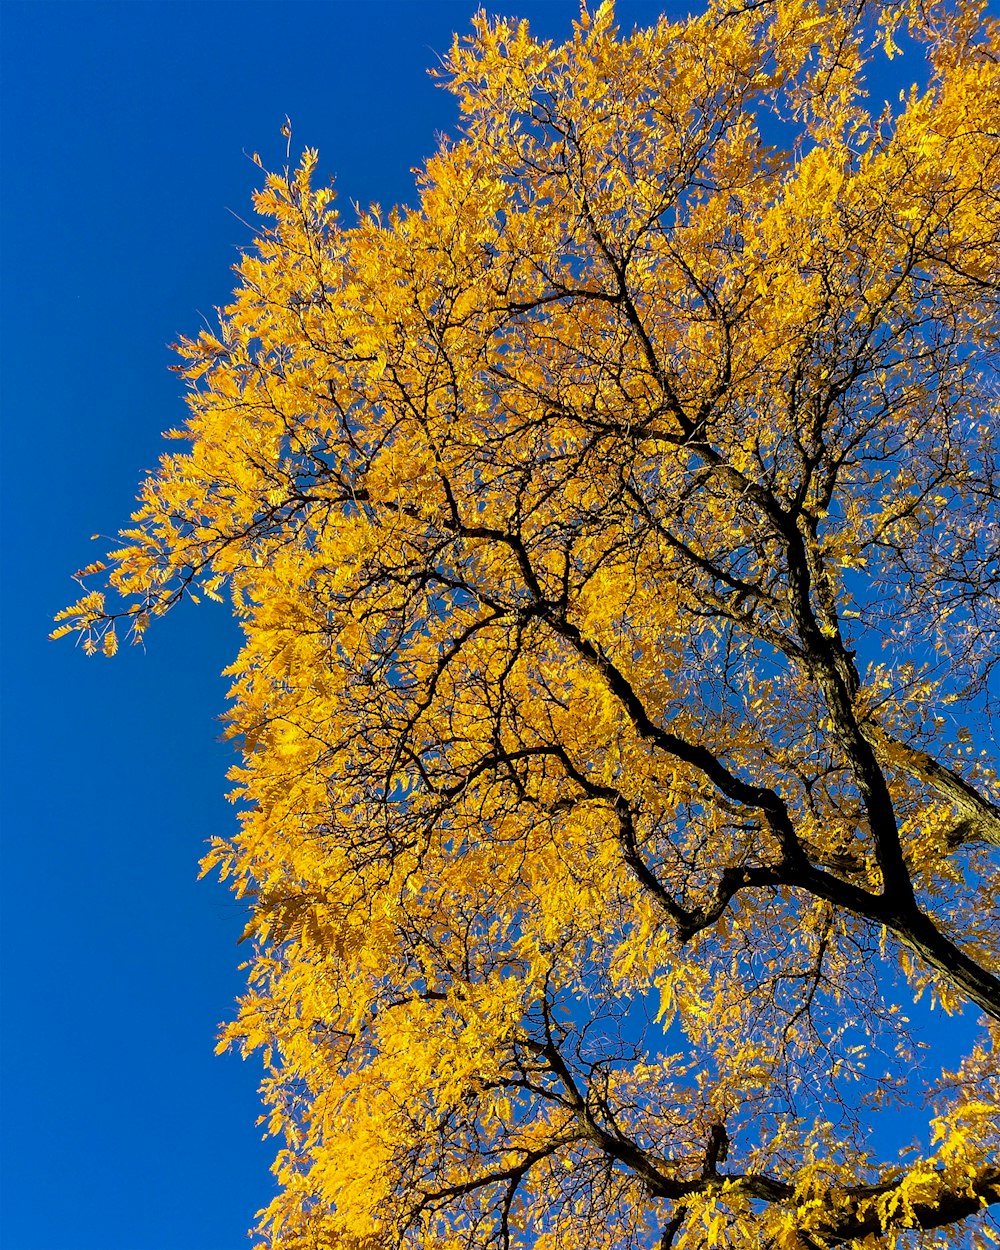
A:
x: 615, y: 535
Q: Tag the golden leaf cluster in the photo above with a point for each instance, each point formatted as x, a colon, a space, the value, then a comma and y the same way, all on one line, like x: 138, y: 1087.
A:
x: 615, y: 536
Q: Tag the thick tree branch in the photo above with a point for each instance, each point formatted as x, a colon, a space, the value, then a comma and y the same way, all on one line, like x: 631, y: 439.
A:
x: 979, y: 817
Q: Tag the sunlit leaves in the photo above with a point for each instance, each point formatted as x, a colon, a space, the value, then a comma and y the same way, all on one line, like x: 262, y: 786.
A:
x: 614, y: 535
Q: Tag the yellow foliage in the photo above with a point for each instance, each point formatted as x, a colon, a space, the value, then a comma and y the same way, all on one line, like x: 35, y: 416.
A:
x: 583, y: 822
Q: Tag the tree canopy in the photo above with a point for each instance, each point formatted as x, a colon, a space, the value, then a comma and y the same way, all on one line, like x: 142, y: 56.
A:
x: 615, y: 537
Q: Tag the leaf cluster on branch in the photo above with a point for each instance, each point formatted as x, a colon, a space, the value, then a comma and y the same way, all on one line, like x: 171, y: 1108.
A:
x: 615, y: 535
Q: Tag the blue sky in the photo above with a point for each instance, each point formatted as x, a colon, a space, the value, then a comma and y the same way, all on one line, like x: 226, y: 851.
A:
x: 125, y: 128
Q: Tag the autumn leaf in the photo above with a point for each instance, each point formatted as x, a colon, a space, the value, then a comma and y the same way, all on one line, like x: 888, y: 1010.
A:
x: 614, y: 534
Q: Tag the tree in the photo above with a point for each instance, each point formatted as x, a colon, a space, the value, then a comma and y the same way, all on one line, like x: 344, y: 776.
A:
x: 615, y: 539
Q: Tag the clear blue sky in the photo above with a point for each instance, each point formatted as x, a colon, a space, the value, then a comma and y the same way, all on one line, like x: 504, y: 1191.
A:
x: 124, y: 128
